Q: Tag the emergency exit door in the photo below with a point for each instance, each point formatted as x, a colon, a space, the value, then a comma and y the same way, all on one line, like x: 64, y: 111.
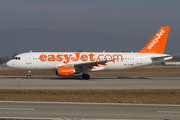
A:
x: 139, y: 59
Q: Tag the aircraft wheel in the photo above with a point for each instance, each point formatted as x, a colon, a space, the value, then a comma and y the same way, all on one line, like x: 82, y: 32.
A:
x: 85, y: 76
x: 28, y: 76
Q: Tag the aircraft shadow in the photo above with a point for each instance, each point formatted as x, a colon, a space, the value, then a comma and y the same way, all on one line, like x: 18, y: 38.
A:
x: 93, y: 78
x: 78, y: 77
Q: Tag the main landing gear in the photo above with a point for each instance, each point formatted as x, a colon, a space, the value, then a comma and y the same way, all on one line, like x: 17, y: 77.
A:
x: 29, y: 74
x: 85, y: 76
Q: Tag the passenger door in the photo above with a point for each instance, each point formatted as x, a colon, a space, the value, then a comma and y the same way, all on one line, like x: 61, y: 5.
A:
x: 28, y: 59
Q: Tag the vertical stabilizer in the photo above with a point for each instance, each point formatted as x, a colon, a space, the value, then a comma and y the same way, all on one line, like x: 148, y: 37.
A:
x: 158, y: 42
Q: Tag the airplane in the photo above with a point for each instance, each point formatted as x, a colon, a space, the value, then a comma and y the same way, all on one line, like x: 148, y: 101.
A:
x: 67, y: 64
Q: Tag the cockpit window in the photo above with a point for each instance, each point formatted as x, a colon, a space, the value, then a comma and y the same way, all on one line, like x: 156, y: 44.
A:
x: 17, y: 58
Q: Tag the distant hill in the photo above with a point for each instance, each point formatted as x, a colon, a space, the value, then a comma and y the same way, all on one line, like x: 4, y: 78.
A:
x: 25, y: 39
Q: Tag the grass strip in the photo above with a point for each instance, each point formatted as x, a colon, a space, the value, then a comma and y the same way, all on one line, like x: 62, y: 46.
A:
x: 94, y: 96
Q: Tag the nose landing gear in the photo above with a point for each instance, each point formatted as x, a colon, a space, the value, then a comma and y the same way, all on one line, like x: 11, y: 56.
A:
x: 29, y: 74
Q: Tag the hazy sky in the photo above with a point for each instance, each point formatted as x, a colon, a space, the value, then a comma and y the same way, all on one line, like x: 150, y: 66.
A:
x: 136, y: 18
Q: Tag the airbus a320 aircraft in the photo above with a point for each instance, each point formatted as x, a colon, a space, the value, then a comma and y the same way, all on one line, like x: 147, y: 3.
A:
x: 69, y: 63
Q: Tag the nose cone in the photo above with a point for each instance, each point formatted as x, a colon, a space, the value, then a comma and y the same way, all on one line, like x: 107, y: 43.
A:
x: 9, y: 64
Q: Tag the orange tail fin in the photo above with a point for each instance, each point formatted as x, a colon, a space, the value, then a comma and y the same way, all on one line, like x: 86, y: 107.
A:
x: 158, y: 42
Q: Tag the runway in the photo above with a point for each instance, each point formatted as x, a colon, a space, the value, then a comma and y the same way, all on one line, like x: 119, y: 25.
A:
x: 66, y: 111
x: 88, y: 110
x: 95, y: 83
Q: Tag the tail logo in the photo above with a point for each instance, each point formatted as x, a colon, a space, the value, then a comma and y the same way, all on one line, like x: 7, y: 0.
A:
x: 156, y: 39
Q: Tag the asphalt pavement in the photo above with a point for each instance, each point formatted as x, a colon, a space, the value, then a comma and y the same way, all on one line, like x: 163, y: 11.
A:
x: 55, y: 110
x: 95, y: 83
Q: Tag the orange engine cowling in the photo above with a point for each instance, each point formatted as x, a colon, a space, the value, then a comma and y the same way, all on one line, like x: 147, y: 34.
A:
x: 65, y: 71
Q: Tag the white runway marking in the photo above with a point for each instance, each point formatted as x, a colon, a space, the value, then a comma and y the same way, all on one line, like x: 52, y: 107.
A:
x: 17, y: 109
x: 24, y: 118
x: 168, y: 111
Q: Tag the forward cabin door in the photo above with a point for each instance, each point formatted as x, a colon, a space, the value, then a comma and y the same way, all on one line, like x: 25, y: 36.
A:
x: 139, y: 59
x: 28, y: 59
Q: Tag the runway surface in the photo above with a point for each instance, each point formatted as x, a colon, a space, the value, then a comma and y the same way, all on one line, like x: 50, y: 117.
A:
x: 45, y: 110
x: 88, y: 110
x: 95, y: 83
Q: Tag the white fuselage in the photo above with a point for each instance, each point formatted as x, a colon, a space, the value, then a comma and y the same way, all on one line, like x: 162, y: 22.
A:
x: 51, y: 60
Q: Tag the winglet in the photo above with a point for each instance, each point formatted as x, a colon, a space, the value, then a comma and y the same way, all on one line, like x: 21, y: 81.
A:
x: 158, y: 42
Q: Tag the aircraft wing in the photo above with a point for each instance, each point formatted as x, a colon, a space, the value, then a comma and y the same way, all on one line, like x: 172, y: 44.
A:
x: 94, y: 63
x: 86, y: 65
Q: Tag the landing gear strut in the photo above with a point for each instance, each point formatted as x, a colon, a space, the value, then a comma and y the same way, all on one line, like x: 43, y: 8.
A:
x: 29, y: 74
x: 85, y: 76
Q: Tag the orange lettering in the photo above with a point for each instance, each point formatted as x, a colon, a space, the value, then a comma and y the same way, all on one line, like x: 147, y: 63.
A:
x: 77, y: 57
x: 59, y: 57
x: 108, y: 55
x: 117, y: 57
x: 67, y: 58
x: 51, y: 57
x: 84, y: 57
x: 43, y: 57
x: 91, y: 57
x: 99, y: 57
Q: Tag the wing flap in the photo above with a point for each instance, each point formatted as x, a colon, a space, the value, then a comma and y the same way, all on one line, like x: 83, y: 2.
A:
x: 95, y: 63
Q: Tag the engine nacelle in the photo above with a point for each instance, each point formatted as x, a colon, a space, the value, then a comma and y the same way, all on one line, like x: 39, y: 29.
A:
x: 65, y: 71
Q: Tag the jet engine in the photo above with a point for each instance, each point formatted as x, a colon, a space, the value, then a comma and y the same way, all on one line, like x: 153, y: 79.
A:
x: 66, y: 71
